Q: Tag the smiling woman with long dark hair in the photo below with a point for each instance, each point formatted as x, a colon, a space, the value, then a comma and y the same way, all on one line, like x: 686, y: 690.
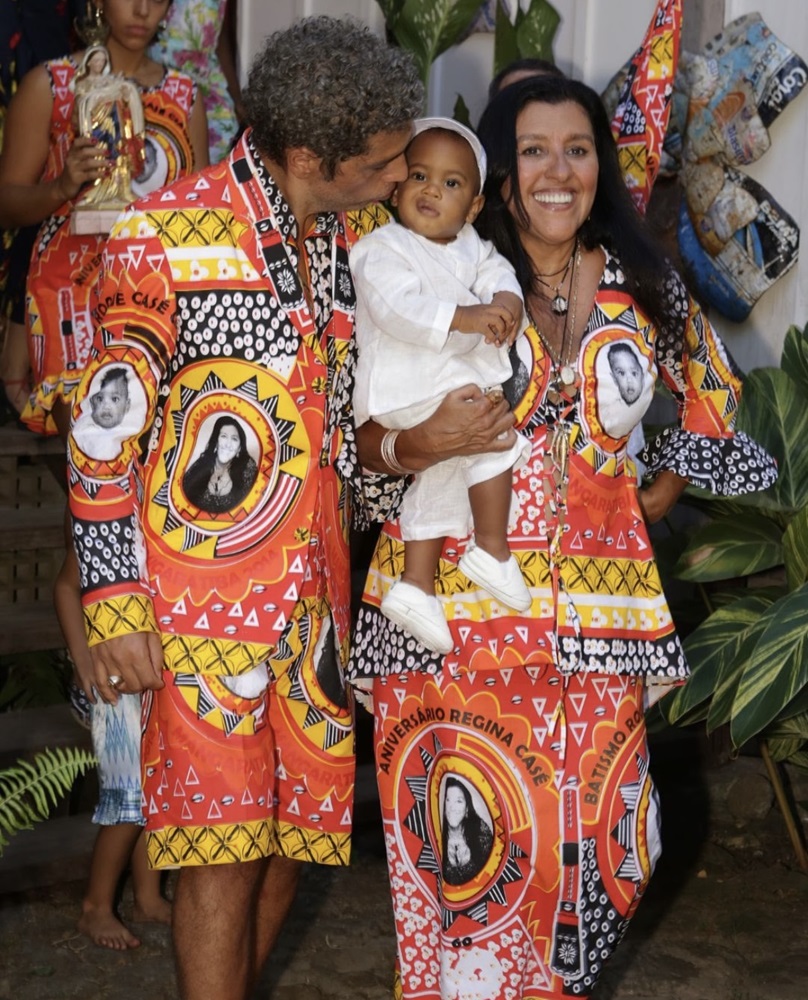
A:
x: 224, y: 473
x: 545, y: 709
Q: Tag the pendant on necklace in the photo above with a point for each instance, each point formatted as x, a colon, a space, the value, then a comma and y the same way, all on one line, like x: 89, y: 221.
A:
x: 559, y: 305
x: 567, y: 375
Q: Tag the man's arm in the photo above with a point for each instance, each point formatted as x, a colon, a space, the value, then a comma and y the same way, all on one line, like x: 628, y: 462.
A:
x: 134, y: 335
x: 465, y: 423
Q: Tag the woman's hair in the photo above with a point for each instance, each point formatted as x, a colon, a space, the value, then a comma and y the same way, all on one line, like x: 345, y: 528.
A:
x: 329, y: 85
x: 613, y: 222
x: 529, y: 64
x: 472, y: 825
x: 196, y: 478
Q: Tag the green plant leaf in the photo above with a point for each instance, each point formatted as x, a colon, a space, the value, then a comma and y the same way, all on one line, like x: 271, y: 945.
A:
x: 800, y: 759
x: 391, y: 9
x: 778, y: 669
x: 730, y: 673
x: 536, y: 28
x: 714, y: 650
x: 794, y: 358
x: 783, y: 749
x: 774, y: 412
x: 793, y: 727
x: 429, y: 27
x: 725, y: 549
x: 461, y: 113
x: 798, y: 706
x: 795, y: 549
x: 506, y: 46
x: 27, y: 787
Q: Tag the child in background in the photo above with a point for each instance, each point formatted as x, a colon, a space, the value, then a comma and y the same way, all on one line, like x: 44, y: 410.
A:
x: 437, y: 309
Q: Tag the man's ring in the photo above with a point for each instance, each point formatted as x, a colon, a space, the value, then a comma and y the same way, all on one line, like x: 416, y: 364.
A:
x: 114, y: 680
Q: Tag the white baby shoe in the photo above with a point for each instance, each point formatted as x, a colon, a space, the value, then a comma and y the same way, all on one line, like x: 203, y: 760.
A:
x: 419, y: 614
x: 502, y: 580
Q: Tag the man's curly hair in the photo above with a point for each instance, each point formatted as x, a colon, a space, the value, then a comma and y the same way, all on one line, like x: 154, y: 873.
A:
x: 330, y: 85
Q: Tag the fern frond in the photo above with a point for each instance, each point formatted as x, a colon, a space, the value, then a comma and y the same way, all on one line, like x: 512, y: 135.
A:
x: 29, y: 789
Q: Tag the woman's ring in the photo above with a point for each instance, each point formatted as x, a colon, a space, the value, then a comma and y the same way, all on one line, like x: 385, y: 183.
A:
x: 114, y: 680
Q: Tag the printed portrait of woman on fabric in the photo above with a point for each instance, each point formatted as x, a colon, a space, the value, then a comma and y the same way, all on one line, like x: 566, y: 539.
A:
x: 467, y: 837
x: 223, y: 474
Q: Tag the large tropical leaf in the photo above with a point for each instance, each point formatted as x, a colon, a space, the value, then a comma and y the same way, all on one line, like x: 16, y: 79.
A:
x: 713, y: 651
x: 536, y: 28
x: 795, y: 549
x: 506, y: 44
x: 777, y: 671
x: 531, y: 34
x: 787, y: 738
x: 794, y: 359
x: 429, y: 27
x: 730, y: 672
x: 799, y: 706
x: 783, y: 749
x: 774, y: 412
x: 721, y: 550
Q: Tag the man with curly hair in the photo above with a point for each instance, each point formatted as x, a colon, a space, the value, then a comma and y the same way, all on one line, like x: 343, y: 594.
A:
x: 227, y: 298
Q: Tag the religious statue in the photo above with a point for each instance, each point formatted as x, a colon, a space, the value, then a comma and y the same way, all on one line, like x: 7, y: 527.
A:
x: 108, y: 110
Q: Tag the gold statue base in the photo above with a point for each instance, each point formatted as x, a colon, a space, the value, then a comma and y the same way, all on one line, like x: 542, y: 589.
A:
x: 93, y: 220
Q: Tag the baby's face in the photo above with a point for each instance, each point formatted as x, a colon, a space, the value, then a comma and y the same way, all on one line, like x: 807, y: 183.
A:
x: 628, y: 375
x: 110, y: 403
x: 441, y: 192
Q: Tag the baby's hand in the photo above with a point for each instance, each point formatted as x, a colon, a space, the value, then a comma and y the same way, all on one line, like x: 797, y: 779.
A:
x: 515, y: 307
x: 494, y: 321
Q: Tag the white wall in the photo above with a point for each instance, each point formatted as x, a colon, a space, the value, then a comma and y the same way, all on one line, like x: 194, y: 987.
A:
x: 595, y: 38
x: 257, y: 18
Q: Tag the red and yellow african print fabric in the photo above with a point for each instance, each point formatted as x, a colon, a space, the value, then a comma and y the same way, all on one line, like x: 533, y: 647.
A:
x: 234, y: 512
x: 643, y: 109
x: 519, y: 841
x: 65, y: 269
x: 210, y: 453
x: 598, y: 604
x: 236, y: 769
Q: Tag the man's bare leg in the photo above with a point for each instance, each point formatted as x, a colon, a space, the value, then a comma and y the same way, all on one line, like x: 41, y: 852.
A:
x: 225, y: 920
x: 276, y: 894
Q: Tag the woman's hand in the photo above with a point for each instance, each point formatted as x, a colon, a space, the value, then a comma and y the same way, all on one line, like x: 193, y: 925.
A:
x: 85, y: 163
x: 658, y: 499
x: 465, y: 423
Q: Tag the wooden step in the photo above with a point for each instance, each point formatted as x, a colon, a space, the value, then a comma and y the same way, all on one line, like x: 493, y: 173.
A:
x: 29, y: 730
x: 58, y: 850
x: 32, y: 528
x: 14, y: 441
x: 29, y: 627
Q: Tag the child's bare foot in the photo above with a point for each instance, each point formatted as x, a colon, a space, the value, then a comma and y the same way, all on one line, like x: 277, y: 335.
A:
x: 103, y: 928
x: 152, y: 911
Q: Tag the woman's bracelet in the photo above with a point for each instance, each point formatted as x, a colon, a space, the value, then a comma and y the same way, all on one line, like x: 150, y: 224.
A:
x: 388, y: 453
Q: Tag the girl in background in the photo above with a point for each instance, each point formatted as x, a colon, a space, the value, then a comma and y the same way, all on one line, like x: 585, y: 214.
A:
x: 200, y: 39
x: 44, y: 168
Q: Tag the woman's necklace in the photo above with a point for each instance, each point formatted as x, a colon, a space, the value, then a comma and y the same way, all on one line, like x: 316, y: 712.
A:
x: 562, y: 395
x: 562, y: 373
x: 559, y: 303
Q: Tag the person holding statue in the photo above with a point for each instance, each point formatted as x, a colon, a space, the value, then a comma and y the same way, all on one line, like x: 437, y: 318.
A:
x: 47, y: 165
